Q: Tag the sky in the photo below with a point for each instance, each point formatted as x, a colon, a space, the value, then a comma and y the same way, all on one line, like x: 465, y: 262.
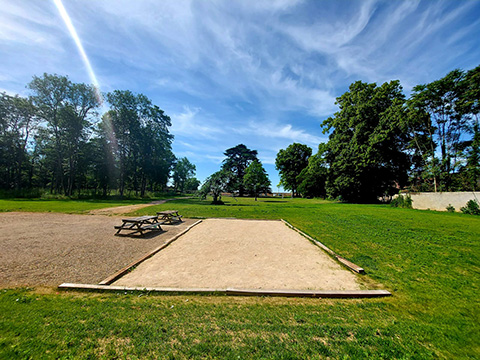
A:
x: 260, y: 73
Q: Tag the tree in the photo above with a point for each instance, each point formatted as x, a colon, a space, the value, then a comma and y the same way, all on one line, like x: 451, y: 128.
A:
x: 256, y: 179
x: 470, y: 102
x: 442, y: 100
x: 238, y: 159
x: 366, y: 149
x: 65, y: 107
x: 17, y: 121
x: 192, y: 184
x: 215, y: 184
x: 140, y: 141
x: 290, y: 162
x: 182, y: 172
x: 312, y: 179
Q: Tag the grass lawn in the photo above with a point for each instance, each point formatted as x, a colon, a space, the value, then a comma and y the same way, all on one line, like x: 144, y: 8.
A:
x: 430, y: 261
x: 62, y: 206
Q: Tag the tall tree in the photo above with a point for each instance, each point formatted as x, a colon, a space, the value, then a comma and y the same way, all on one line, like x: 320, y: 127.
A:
x: 139, y: 138
x: 256, y: 179
x: 238, y: 159
x: 182, y: 172
x: 366, y: 147
x: 65, y: 107
x: 215, y: 184
x: 312, y: 179
x: 442, y: 101
x: 17, y: 120
x: 290, y: 162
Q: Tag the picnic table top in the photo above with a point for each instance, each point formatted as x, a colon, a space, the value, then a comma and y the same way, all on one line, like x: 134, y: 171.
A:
x: 140, y: 218
x: 167, y: 212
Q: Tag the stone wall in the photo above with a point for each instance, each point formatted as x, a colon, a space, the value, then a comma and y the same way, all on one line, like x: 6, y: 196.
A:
x: 439, y: 201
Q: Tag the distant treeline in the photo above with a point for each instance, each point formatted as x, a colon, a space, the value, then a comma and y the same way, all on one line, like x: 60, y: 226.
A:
x: 381, y: 142
x: 56, y: 140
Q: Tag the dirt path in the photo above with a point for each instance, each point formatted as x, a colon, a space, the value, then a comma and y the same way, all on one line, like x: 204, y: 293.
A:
x: 49, y: 248
x: 248, y: 254
x: 118, y: 210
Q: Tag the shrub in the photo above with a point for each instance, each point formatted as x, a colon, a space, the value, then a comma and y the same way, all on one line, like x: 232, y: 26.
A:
x: 402, y: 202
x: 450, y: 208
x: 471, y: 208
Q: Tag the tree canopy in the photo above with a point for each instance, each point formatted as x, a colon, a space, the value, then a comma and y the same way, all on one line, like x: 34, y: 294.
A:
x: 290, y: 162
x: 183, y: 171
x: 256, y: 179
x: 237, y: 160
x: 366, y: 149
x: 55, y: 139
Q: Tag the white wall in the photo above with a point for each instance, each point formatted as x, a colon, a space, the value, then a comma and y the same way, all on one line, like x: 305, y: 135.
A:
x: 439, y: 201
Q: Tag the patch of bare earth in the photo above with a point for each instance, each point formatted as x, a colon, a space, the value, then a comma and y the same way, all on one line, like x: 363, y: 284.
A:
x: 248, y: 254
x: 49, y: 248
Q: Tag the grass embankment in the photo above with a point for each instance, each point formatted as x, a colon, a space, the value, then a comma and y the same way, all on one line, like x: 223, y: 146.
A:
x: 430, y: 261
x: 66, y: 206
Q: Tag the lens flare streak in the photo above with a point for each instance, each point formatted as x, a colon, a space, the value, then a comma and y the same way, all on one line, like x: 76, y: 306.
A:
x: 78, y: 43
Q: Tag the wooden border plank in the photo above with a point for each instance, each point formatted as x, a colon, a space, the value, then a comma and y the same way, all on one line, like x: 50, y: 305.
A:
x: 343, y: 294
x: 342, y: 260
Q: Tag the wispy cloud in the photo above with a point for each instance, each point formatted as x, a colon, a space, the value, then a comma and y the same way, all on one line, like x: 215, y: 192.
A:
x: 263, y: 73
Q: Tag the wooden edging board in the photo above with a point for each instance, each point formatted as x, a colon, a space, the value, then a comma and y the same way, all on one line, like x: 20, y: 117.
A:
x: 238, y: 292
x: 127, y: 268
x: 344, y: 261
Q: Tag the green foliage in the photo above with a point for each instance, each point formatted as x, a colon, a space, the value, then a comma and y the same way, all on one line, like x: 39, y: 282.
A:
x: 215, y: 184
x: 237, y: 161
x: 183, y: 171
x: 402, y: 201
x: 443, y: 101
x: 471, y: 208
x: 290, y: 162
x: 450, y: 208
x: 312, y: 179
x: 17, y: 121
x: 473, y: 159
x: 70, y: 151
x: 365, y: 152
x: 192, y: 184
x: 139, y: 141
x: 416, y: 255
x: 65, y: 107
x: 256, y: 179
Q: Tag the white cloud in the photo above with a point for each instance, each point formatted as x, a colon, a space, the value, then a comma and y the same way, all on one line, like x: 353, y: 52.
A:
x: 190, y: 123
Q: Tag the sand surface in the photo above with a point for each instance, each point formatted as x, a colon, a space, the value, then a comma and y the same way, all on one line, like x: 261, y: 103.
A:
x: 50, y: 248
x: 243, y: 254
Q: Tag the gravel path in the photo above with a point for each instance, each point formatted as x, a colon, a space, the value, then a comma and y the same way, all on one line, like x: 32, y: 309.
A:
x: 50, y: 248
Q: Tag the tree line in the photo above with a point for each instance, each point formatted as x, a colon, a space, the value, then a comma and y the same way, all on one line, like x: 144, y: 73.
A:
x: 241, y: 174
x: 55, y: 139
x: 381, y: 142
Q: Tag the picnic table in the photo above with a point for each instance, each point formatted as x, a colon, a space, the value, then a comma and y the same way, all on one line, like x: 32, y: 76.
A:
x: 139, y: 224
x: 169, y: 216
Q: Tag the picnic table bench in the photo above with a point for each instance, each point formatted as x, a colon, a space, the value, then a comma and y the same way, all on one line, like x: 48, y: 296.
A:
x: 139, y: 224
x: 169, y: 216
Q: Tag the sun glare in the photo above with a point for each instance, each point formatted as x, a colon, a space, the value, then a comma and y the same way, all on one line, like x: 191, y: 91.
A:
x: 76, y: 38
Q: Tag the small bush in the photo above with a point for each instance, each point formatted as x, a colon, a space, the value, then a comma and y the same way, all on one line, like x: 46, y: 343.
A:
x: 402, y: 202
x: 450, y: 208
x: 471, y: 208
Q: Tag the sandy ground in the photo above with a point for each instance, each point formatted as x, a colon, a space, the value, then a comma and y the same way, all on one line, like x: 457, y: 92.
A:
x: 49, y: 249
x: 242, y: 254
x: 129, y: 208
x: 124, y: 209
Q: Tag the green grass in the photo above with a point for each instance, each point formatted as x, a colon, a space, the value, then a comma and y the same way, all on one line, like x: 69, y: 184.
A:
x: 430, y: 261
x: 62, y: 206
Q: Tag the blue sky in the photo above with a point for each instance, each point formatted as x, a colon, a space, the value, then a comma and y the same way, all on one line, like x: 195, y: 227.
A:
x: 262, y: 73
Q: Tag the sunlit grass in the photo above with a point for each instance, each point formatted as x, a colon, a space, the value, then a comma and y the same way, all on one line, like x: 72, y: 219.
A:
x: 430, y: 261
